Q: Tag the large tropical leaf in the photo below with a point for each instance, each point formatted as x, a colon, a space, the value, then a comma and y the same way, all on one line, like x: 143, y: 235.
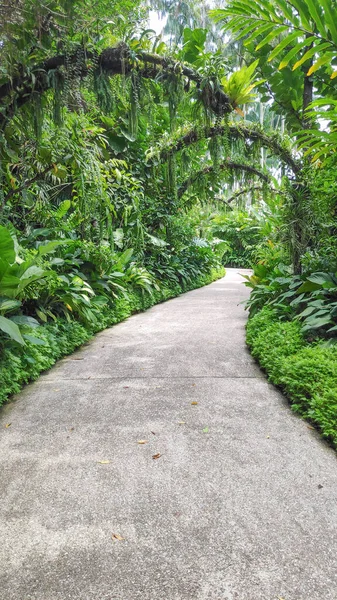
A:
x: 11, y: 329
x: 7, y: 251
x: 302, y: 29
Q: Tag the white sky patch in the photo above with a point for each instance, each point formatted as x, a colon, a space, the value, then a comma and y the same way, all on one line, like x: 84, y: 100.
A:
x: 156, y: 23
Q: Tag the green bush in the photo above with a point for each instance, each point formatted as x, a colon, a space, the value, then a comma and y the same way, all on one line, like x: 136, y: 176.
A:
x: 272, y: 341
x: 21, y: 364
x: 258, y: 324
x: 323, y: 411
x: 242, y: 232
x: 310, y: 372
x: 306, y: 373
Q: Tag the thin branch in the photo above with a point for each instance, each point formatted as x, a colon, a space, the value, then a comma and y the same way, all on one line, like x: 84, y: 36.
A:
x: 251, y: 189
x: 211, y: 169
x: 236, y: 131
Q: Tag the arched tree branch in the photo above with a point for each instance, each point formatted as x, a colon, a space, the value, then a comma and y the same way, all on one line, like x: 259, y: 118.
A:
x: 211, y: 169
x: 112, y: 61
x: 252, y: 189
x: 236, y: 131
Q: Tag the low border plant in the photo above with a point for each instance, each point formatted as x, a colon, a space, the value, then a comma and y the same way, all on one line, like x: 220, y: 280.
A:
x: 21, y: 364
x: 306, y: 372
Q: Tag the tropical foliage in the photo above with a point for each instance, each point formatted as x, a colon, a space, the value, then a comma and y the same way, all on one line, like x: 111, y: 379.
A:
x: 134, y: 165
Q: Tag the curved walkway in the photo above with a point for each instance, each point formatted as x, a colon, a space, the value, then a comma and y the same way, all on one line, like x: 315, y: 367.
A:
x: 241, y: 503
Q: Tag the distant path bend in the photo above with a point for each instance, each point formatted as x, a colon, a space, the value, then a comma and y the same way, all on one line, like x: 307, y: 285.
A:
x: 240, y: 505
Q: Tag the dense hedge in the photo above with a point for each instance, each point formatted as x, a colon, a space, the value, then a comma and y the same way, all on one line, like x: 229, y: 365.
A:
x: 19, y: 365
x: 307, y: 373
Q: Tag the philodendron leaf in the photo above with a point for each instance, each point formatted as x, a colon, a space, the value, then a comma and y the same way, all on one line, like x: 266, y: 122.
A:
x: 7, y: 326
x: 7, y: 304
x: 25, y: 320
x: 7, y: 251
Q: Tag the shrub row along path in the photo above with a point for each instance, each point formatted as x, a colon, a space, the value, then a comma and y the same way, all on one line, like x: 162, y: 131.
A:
x: 240, y: 504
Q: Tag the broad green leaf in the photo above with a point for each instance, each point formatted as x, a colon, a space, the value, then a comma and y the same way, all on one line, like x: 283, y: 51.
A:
x: 24, y: 320
x: 7, y: 252
x: 9, y: 285
x: 312, y: 323
x: 32, y: 272
x: 321, y: 278
x: 51, y: 246
x: 34, y: 340
x: 6, y: 304
x: 41, y: 315
x: 155, y: 241
x: 308, y: 311
x: 11, y: 329
x: 124, y: 259
x: 308, y: 286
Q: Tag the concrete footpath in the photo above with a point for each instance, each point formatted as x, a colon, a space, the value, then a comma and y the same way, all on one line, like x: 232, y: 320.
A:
x: 231, y: 497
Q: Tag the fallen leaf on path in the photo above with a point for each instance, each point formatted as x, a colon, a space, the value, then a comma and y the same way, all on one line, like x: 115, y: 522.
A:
x: 116, y: 536
x: 205, y: 430
x: 104, y: 462
x: 7, y: 425
x: 71, y: 428
x: 153, y: 433
x: 125, y: 387
x: 77, y: 359
x: 319, y: 486
x: 143, y: 442
x: 268, y: 437
x: 158, y: 455
x: 309, y: 427
x: 181, y: 422
x: 194, y: 403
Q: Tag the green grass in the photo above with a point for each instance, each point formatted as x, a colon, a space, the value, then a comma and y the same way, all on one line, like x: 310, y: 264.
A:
x: 307, y: 373
x: 19, y: 365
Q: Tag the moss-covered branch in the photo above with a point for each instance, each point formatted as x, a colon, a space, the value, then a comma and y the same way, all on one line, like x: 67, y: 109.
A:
x: 112, y: 61
x: 236, y: 131
x: 230, y: 165
x: 254, y: 188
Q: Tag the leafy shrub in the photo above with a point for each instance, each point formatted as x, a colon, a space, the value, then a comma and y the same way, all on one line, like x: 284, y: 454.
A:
x: 19, y: 365
x: 307, y: 373
x: 242, y: 233
x: 311, y: 298
x: 265, y: 317
x: 312, y: 371
x: 274, y: 342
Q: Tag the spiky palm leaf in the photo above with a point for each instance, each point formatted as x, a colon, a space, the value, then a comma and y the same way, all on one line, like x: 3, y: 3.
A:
x: 303, y: 28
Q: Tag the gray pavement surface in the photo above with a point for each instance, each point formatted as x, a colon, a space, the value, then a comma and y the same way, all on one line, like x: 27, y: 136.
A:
x: 241, y: 504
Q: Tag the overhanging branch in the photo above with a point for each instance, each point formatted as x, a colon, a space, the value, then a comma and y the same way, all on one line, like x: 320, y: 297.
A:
x: 112, y: 61
x: 211, y: 169
x: 235, y: 131
x: 253, y: 188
